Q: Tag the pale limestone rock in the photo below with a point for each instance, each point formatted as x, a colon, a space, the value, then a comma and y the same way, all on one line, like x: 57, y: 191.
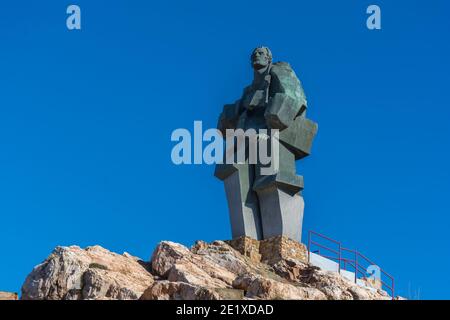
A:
x: 167, y: 290
x: 8, y: 295
x: 239, y: 269
x: 259, y: 287
x: 71, y: 273
x: 292, y: 270
x: 333, y: 285
x: 166, y: 254
x: 221, y: 253
x: 176, y: 263
x: 193, y: 274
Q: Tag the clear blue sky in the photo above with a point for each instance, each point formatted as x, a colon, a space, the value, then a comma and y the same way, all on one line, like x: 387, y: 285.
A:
x: 86, y: 119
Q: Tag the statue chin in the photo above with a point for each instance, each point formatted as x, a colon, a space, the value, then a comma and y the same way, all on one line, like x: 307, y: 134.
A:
x: 259, y: 66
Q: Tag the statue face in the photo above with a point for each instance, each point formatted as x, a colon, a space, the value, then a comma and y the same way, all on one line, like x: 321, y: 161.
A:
x: 260, y: 59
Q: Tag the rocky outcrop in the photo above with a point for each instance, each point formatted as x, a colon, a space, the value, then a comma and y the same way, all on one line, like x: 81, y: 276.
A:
x: 8, y: 295
x: 243, y: 268
x: 71, y: 273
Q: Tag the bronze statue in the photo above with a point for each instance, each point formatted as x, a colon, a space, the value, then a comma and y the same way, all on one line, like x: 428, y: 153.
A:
x: 263, y: 206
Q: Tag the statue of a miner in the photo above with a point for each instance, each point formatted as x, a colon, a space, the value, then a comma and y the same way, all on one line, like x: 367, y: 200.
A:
x: 262, y: 206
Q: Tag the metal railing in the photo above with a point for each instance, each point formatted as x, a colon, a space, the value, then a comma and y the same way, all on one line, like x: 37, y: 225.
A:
x: 356, y: 263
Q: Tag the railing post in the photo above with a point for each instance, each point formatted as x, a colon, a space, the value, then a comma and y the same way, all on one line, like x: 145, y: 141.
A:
x: 356, y: 266
x: 393, y: 294
x: 309, y: 246
x: 340, y: 257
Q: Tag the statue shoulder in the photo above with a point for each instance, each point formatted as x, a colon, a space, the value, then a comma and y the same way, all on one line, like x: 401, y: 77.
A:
x: 283, y: 71
x: 281, y: 65
x: 286, y: 81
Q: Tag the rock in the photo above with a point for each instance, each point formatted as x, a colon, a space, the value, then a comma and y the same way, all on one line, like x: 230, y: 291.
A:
x: 292, y: 270
x: 269, y: 289
x: 374, y: 283
x: 167, y: 290
x: 165, y: 256
x: 178, y: 264
x: 221, y: 253
x: 8, y: 295
x: 243, y: 268
x: 193, y: 274
x: 333, y: 285
x: 71, y: 273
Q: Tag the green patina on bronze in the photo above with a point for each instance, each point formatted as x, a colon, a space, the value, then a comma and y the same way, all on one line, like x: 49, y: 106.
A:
x: 274, y: 100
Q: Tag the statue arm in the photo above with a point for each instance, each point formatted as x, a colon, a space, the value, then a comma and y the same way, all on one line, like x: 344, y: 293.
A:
x: 286, y: 98
x: 229, y: 117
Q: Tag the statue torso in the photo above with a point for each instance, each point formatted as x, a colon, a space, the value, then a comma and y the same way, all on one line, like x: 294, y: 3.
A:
x: 254, y: 103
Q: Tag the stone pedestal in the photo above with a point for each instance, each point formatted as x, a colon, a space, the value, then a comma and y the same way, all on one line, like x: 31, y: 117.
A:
x: 270, y: 251
x: 282, y: 248
x: 247, y: 246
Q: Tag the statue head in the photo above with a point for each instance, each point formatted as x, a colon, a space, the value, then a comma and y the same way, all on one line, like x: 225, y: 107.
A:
x: 261, y: 57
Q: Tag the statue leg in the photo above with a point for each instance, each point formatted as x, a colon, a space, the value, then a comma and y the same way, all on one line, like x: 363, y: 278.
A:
x: 280, y: 200
x: 243, y: 203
